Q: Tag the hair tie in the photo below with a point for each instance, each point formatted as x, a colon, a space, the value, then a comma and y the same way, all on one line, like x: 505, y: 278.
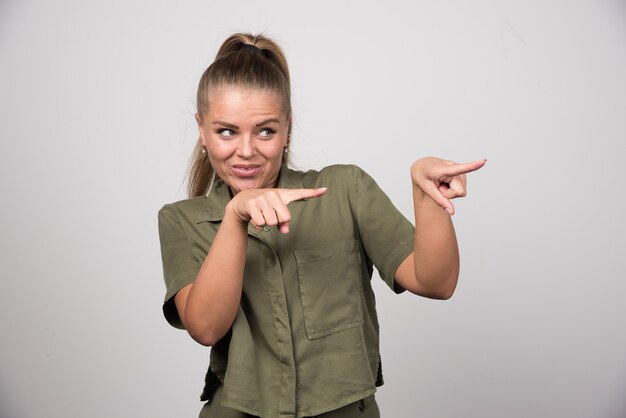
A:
x: 252, y: 49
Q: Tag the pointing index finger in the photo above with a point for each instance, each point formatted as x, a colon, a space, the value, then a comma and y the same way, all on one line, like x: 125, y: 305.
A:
x: 463, y: 168
x: 291, y: 195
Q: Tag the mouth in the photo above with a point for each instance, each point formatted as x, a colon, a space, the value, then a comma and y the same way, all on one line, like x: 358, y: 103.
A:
x: 246, y: 170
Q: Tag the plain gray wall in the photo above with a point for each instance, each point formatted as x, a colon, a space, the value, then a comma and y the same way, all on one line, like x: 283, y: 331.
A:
x: 96, y: 111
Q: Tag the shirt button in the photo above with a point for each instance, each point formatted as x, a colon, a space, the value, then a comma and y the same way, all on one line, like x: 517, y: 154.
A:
x: 266, y: 228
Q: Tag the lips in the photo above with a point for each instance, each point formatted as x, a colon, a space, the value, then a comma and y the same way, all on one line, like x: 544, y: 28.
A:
x: 246, y: 170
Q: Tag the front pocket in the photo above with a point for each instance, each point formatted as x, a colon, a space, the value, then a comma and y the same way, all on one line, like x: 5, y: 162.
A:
x: 330, y: 287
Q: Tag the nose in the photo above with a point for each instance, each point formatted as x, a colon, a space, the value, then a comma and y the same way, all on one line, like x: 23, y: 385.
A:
x: 246, y: 147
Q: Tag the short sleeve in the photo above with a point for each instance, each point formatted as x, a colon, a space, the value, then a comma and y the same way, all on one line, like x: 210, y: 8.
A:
x: 386, y: 235
x: 179, y: 265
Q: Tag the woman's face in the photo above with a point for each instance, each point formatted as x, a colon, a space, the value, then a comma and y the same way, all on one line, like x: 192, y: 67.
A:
x: 245, y: 132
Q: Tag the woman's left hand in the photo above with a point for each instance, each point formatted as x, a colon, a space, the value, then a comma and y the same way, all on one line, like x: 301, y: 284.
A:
x: 443, y: 180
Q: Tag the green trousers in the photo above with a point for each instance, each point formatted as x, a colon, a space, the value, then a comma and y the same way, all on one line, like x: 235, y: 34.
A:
x: 366, y: 408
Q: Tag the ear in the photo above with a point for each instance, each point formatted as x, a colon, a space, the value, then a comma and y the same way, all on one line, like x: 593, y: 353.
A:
x: 287, y: 140
x: 200, y: 128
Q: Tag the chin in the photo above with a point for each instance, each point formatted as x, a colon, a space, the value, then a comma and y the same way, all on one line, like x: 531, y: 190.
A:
x: 239, y: 186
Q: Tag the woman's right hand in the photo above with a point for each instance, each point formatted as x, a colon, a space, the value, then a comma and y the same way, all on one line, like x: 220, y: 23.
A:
x: 268, y: 206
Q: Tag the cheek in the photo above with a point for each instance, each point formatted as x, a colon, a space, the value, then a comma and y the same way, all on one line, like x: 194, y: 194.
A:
x: 271, y: 150
x: 219, y: 150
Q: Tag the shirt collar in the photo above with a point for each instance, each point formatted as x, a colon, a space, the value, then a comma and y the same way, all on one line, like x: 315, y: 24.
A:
x: 219, y: 196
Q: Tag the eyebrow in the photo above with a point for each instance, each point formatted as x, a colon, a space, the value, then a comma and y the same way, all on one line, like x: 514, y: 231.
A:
x: 266, y: 121
x: 230, y: 125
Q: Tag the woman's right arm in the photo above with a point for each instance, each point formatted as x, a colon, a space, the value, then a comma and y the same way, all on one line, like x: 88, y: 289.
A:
x: 207, y: 308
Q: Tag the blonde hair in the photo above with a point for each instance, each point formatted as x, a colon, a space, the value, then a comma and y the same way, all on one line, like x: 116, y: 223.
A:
x: 243, y: 60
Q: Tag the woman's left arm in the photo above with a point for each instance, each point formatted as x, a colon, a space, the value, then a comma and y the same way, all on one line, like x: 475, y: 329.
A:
x: 432, y: 269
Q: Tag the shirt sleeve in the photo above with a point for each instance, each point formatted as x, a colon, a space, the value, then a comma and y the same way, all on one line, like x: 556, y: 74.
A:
x: 179, y: 265
x: 386, y: 235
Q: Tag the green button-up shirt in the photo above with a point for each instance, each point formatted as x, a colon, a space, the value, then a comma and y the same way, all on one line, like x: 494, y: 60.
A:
x: 305, y: 339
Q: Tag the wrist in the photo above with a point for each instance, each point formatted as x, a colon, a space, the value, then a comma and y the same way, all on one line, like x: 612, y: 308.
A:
x: 231, y: 215
x: 422, y: 199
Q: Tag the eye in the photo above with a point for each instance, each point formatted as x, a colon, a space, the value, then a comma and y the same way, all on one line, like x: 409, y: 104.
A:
x: 267, y: 133
x: 226, y: 133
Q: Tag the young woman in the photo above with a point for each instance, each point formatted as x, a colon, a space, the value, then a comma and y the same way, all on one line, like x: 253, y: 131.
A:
x: 271, y: 266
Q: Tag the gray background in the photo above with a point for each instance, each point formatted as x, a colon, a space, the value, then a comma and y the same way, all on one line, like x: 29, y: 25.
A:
x: 96, y: 111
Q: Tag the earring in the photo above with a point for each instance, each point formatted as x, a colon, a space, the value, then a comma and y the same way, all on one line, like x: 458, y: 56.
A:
x: 203, y: 151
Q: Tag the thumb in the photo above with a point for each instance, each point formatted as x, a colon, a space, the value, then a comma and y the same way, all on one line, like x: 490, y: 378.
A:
x: 440, y: 199
x: 283, y: 228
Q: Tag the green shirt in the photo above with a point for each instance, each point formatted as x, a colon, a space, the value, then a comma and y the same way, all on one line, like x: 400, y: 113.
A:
x: 305, y: 340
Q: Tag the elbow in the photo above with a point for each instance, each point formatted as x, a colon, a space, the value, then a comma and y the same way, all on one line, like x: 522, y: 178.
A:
x: 446, y: 290
x: 206, y: 337
x: 204, y: 340
x: 441, y: 288
x: 438, y: 293
x: 446, y: 284
x: 203, y: 331
x: 445, y: 293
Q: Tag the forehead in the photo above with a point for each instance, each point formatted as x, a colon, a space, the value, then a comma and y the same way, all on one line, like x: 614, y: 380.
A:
x: 240, y: 103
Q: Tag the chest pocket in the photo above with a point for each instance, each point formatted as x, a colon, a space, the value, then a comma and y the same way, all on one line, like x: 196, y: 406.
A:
x: 330, y: 287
